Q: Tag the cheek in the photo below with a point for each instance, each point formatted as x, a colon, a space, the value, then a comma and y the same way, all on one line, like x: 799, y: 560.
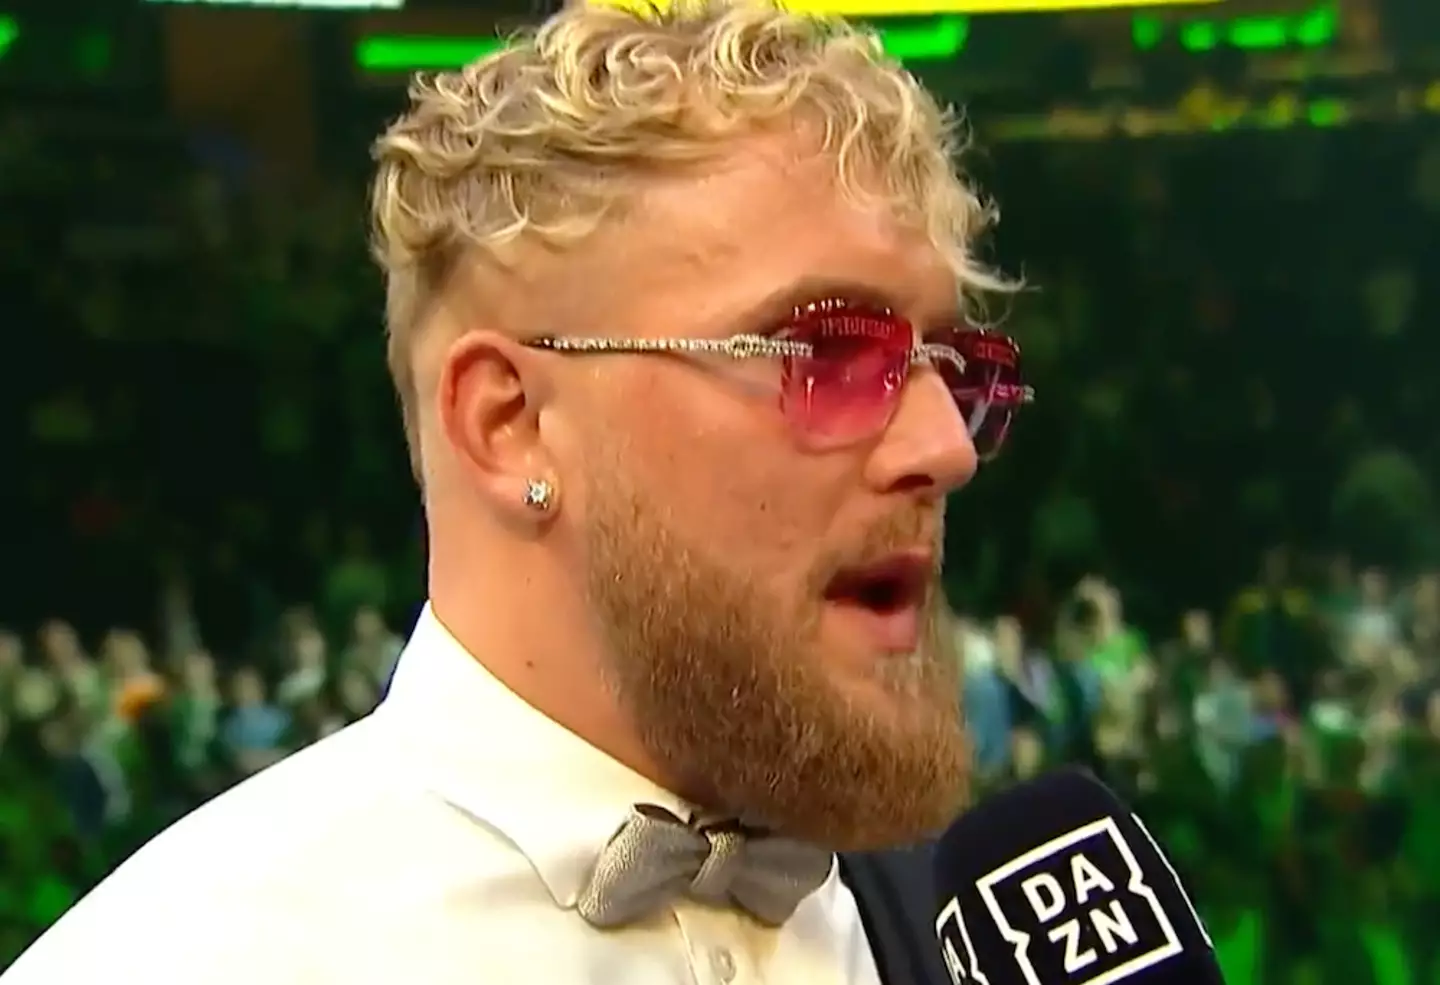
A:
x: 733, y: 483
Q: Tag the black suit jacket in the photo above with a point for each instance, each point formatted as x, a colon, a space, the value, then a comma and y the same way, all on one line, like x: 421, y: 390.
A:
x: 895, y: 892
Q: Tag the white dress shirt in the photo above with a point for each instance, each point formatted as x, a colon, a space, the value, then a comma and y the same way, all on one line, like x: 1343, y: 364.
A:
x: 440, y: 841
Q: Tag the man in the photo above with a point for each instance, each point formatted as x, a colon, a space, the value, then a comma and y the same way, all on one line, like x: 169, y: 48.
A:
x: 671, y: 301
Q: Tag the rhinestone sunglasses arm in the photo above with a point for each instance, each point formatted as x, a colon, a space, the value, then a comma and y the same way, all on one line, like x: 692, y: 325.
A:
x: 736, y: 347
x: 933, y: 353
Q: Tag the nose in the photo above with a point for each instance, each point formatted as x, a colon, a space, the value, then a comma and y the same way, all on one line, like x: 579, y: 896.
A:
x: 927, y: 447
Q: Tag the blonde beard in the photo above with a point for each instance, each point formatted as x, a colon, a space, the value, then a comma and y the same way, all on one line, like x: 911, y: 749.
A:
x: 731, y: 697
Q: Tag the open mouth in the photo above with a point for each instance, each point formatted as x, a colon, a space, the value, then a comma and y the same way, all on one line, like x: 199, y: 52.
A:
x: 888, y: 596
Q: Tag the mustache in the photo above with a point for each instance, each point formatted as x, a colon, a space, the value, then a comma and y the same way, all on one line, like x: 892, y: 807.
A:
x: 897, y: 533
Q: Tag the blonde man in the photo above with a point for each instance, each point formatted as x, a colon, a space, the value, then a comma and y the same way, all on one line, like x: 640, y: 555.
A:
x: 677, y: 307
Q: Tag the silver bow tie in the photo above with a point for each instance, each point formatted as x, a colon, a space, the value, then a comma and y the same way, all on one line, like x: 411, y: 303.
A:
x: 656, y: 857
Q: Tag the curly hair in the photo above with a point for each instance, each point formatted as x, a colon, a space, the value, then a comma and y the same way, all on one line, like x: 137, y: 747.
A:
x: 544, y: 138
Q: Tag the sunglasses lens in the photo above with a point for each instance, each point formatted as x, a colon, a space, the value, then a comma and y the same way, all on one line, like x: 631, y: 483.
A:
x: 988, y: 390
x: 847, y: 386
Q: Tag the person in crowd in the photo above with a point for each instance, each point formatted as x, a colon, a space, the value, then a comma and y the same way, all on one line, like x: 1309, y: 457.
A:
x: 985, y: 698
x: 1275, y: 625
x: 195, y: 712
x: 309, y: 671
x: 12, y: 668
x: 1079, y: 688
x: 91, y: 780
x: 254, y: 729
x: 1224, y: 722
x: 71, y: 666
x: 1186, y: 661
x: 1374, y: 621
x: 355, y: 693
x: 134, y: 686
x: 1114, y: 649
x: 373, y: 646
x: 1029, y: 672
x: 1028, y: 756
x: 1420, y: 614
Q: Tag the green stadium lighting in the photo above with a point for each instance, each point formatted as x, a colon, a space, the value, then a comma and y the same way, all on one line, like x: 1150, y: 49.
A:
x: 9, y: 31
x: 293, y: 4
x: 933, y: 40
x: 1313, y: 28
x: 415, y: 53
x: 910, y: 41
x: 920, y: 8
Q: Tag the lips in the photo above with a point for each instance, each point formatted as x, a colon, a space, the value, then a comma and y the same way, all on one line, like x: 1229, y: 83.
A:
x: 885, y: 599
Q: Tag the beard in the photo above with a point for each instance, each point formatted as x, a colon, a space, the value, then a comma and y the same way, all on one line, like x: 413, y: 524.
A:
x: 729, y: 691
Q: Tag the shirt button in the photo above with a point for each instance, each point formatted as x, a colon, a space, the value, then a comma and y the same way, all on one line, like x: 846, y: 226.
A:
x: 724, y: 963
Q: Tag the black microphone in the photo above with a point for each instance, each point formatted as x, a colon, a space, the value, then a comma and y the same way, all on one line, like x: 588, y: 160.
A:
x: 1056, y: 882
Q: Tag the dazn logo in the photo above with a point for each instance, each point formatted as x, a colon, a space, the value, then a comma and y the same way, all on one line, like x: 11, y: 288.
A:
x: 1078, y: 910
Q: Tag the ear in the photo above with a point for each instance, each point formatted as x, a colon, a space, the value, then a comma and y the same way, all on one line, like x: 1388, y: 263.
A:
x: 489, y: 398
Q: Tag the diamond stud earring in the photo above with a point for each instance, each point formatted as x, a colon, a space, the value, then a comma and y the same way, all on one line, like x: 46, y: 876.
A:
x: 539, y: 494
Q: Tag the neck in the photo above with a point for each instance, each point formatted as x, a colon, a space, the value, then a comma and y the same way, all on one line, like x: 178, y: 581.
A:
x: 533, y: 632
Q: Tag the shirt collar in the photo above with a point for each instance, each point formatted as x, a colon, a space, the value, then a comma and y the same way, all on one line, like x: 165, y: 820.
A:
x: 487, y: 752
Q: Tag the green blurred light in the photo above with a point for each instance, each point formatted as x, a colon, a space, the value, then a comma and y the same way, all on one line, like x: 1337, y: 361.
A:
x: 413, y: 53
x: 1146, y: 32
x: 1312, y: 29
x: 1319, y: 26
x: 924, y: 40
x: 293, y: 4
x: 1259, y: 32
x: 1326, y: 113
x: 933, y: 40
x: 1199, y: 36
x: 9, y: 31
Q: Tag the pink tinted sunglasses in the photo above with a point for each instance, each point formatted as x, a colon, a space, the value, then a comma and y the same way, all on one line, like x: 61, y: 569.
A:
x: 845, y: 365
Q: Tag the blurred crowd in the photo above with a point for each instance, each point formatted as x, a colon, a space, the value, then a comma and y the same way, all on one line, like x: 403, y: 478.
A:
x: 104, y: 742
x: 1285, y: 749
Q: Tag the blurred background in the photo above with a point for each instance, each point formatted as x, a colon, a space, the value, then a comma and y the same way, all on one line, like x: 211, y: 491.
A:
x: 1208, y: 564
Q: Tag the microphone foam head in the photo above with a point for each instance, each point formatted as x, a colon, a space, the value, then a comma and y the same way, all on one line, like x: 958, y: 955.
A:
x: 1056, y: 882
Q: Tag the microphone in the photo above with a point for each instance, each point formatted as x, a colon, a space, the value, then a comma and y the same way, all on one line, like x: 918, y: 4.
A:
x: 1056, y: 882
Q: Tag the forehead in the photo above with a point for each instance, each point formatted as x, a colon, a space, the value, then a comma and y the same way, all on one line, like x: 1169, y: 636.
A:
x: 703, y: 248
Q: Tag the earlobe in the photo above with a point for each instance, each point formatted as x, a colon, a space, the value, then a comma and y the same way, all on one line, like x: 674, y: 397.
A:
x: 490, y: 415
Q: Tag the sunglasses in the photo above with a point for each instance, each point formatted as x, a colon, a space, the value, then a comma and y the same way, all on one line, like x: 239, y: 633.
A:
x: 844, y: 367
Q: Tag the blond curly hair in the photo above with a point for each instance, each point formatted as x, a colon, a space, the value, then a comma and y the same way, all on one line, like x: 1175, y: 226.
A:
x: 543, y: 138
